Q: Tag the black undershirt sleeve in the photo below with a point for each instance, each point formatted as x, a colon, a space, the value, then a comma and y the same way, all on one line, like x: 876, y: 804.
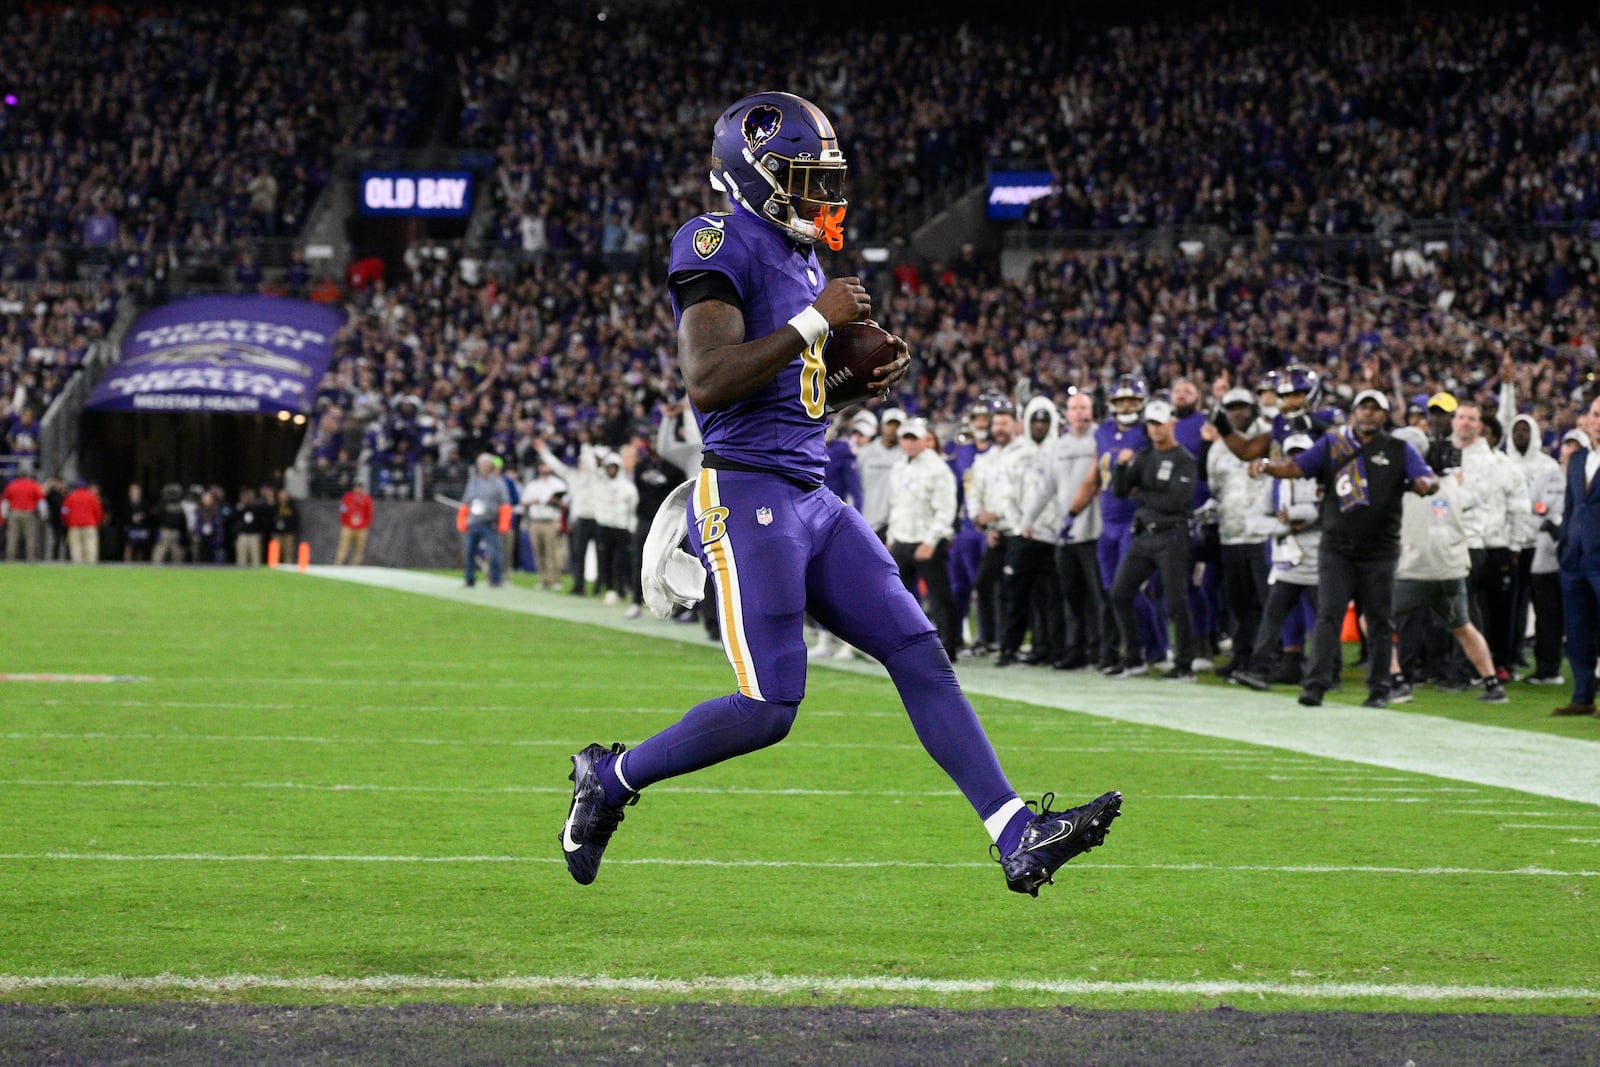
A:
x: 695, y: 286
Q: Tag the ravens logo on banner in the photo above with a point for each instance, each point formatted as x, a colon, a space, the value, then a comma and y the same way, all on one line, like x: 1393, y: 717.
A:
x: 707, y: 240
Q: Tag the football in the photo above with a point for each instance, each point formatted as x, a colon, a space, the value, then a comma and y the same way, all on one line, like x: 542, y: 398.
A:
x: 854, y: 352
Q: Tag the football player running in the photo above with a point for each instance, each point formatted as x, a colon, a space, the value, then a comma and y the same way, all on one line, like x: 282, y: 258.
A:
x: 754, y: 313
x: 1294, y: 390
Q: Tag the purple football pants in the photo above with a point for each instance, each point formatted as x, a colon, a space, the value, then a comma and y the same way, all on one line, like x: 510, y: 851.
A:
x: 966, y: 552
x: 775, y: 552
x: 1152, y: 619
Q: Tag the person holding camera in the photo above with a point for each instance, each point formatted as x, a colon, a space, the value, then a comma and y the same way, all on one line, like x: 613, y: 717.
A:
x: 483, y: 498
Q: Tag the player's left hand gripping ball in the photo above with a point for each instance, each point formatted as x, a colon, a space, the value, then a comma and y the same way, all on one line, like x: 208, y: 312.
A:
x: 862, y: 359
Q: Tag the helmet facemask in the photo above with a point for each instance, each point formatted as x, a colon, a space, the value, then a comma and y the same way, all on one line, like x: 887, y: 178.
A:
x: 804, y: 192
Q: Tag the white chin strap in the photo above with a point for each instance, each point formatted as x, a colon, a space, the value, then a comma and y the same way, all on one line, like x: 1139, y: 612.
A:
x: 1268, y: 413
x: 804, y: 231
x: 1127, y: 418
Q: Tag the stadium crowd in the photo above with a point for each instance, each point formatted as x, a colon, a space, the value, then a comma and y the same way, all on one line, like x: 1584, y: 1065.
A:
x: 556, y: 345
x: 1325, y: 124
x: 44, y: 334
x: 124, y: 133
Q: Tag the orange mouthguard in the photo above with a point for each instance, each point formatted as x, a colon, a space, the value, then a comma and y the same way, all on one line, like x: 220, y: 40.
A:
x: 831, y: 226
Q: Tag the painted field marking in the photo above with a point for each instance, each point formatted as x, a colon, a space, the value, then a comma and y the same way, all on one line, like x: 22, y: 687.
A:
x: 1192, y: 868
x: 1408, y: 788
x: 1528, y: 762
x: 1547, y: 826
x: 1518, y: 814
x: 312, y: 739
x: 81, y: 678
x: 767, y: 984
x: 432, y: 709
x: 1341, y: 777
x: 658, y: 790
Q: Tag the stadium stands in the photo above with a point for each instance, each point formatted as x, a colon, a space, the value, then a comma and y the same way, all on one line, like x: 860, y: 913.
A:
x: 139, y: 145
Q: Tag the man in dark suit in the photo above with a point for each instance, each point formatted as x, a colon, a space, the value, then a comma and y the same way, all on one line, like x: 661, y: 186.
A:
x: 1578, y: 550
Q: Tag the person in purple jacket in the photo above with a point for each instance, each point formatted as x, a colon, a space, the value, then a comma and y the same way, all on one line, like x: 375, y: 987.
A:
x: 754, y: 312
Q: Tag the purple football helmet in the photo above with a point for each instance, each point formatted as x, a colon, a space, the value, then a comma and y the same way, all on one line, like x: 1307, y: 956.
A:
x: 777, y: 156
x: 1128, y: 387
x: 1298, y: 378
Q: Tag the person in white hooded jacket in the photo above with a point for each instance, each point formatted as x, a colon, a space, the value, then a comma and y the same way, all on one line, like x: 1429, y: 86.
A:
x: 1287, y: 513
x: 922, y: 517
x: 1067, y: 461
x: 1502, y: 498
x: 1546, y: 493
x: 1244, y: 562
x: 1549, y: 610
x: 1031, y: 592
x: 580, y: 481
x: 616, y: 505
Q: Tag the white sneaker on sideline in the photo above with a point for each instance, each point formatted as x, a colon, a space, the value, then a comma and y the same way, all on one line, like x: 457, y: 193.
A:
x: 633, y: 612
x: 825, y: 646
x: 612, y: 599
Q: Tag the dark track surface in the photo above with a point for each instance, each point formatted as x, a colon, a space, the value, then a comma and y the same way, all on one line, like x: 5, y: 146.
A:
x: 179, y: 1035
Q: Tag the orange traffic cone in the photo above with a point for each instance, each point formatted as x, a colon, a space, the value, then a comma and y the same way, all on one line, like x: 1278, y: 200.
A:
x: 274, y: 553
x: 305, y: 556
x: 1351, y: 634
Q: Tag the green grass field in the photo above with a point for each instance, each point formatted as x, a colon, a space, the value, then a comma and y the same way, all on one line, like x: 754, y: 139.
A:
x: 320, y: 792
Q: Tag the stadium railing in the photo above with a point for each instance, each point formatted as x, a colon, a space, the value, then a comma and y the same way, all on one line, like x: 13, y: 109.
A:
x: 419, y: 481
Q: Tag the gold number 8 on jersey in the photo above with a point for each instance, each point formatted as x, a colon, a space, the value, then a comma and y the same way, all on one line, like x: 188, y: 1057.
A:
x: 813, y: 375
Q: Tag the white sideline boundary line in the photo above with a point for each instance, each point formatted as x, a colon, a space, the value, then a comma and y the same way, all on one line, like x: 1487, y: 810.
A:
x: 852, y: 865
x: 764, y: 984
x: 1542, y: 764
x: 510, y: 790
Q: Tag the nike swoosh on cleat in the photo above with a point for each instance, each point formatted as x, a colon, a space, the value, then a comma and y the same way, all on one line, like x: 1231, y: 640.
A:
x: 1066, y: 831
x: 567, y: 843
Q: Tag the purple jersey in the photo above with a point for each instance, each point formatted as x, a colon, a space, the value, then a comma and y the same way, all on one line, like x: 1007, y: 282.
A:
x: 1112, y: 437
x: 1313, y: 426
x: 781, y: 427
x: 1187, y: 431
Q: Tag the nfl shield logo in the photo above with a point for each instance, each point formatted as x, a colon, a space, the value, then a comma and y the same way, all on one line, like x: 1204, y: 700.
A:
x: 707, y: 240
x: 764, y: 516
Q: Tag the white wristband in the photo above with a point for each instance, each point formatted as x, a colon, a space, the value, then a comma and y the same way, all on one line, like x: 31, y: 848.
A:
x: 811, y: 325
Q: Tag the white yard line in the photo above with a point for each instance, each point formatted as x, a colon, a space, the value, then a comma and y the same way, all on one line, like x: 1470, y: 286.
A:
x: 767, y: 984
x: 648, y: 861
x: 1537, y: 763
x: 176, y: 737
x: 69, y: 784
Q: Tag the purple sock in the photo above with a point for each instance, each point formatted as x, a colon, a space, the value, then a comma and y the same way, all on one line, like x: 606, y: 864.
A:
x: 1011, y: 836
x: 611, y: 782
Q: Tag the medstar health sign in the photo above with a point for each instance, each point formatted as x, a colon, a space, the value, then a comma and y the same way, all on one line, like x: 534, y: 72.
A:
x: 238, y: 355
